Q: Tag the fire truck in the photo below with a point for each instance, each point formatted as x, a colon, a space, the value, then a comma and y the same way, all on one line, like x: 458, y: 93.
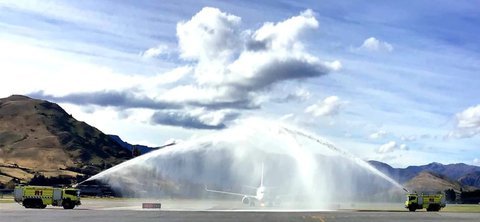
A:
x: 41, y: 196
x: 430, y: 202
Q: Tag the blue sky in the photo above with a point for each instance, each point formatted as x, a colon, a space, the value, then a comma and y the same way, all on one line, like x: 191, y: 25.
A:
x: 395, y: 81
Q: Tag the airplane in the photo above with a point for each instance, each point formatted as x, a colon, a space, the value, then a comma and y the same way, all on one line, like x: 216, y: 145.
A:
x: 263, y: 194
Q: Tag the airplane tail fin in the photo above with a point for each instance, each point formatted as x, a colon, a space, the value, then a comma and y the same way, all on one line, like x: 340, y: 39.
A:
x: 261, y: 180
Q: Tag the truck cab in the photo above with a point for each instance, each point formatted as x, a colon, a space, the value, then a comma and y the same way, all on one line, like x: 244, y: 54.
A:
x: 70, y: 198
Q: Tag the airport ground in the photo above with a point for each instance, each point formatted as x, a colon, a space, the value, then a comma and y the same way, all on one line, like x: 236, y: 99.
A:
x: 202, y: 211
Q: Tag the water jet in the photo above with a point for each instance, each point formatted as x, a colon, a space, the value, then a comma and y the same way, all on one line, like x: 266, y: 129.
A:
x: 304, y: 167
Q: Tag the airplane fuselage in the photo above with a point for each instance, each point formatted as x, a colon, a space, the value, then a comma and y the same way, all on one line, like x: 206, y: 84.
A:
x: 260, y: 193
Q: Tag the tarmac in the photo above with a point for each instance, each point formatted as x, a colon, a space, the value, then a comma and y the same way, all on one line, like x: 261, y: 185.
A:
x: 211, y: 211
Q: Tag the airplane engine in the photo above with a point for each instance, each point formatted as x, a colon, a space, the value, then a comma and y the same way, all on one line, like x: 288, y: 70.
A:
x: 246, y: 200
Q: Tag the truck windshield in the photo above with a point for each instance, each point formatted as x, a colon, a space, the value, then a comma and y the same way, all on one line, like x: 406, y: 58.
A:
x: 412, y: 198
x: 71, y: 192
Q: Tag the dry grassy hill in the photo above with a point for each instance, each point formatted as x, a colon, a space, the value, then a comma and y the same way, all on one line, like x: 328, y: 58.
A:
x: 432, y: 182
x: 38, y: 136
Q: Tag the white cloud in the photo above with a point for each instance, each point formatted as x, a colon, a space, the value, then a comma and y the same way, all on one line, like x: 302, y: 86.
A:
x: 374, y: 45
x: 404, y: 147
x: 156, y: 51
x: 210, y: 34
x: 59, y: 10
x: 388, y: 147
x: 284, y: 35
x: 54, y: 71
x: 233, y: 65
x: 476, y: 161
x: 287, y: 117
x: 409, y: 138
x: 300, y: 94
x: 391, y: 146
x: 467, y: 123
x: 330, y: 106
x: 469, y: 118
x: 377, y: 135
x: 171, y: 76
x: 229, y: 67
x: 198, y: 118
x: 202, y: 95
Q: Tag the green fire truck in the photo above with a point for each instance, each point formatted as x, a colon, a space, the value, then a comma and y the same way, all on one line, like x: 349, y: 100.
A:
x: 41, y: 196
x: 430, y: 202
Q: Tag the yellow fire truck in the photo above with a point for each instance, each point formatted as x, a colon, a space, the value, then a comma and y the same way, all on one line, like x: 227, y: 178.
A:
x: 41, y: 196
x: 431, y: 202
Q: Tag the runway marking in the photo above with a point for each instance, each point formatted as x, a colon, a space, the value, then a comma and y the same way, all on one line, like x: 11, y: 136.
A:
x: 313, y: 218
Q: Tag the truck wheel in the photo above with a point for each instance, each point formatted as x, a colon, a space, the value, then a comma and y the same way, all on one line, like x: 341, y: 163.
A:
x: 67, y: 204
x: 27, y: 203
x: 412, y: 208
x: 433, y: 207
x: 38, y: 203
x: 69, y: 207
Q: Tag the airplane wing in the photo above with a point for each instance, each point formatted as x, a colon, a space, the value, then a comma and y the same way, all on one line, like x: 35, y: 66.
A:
x: 229, y: 193
x: 250, y: 187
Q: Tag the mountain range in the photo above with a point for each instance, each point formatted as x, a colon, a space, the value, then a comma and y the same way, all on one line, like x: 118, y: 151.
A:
x: 141, y: 148
x: 434, y: 176
x: 38, y: 137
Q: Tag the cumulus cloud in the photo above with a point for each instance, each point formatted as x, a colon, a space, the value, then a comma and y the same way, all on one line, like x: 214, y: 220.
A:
x: 391, y: 146
x: 388, y: 147
x: 234, y: 64
x: 330, y: 106
x: 228, y: 68
x: 121, y: 99
x: 156, y: 51
x: 374, y: 45
x: 409, y: 138
x: 377, y: 135
x: 469, y: 118
x: 404, y: 147
x: 300, y: 94
x: 476, y: 161
x: 171, y: 76
x: 196, y: 118
x: 467, y: 123
x: 210, y: 34
x: 210, y: 97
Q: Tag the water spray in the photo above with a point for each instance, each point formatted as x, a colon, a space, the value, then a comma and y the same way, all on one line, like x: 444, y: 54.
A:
x: 357, y: 160
x: 305, y: 165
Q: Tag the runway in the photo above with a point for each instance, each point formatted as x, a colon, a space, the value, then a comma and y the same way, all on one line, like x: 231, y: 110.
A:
x: 129, y: 211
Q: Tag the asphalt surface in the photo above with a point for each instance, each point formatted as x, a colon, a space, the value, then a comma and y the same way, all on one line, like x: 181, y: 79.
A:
x: 118, y: 211
x: 208, y: 216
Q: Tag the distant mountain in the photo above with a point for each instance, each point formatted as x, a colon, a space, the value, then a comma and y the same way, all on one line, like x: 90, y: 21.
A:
x: 429, y: 181
x: 471, y: 179
x: 142, y: 148
x: 467, y: 176
x: 453, y: 171
x: 38, y: 136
